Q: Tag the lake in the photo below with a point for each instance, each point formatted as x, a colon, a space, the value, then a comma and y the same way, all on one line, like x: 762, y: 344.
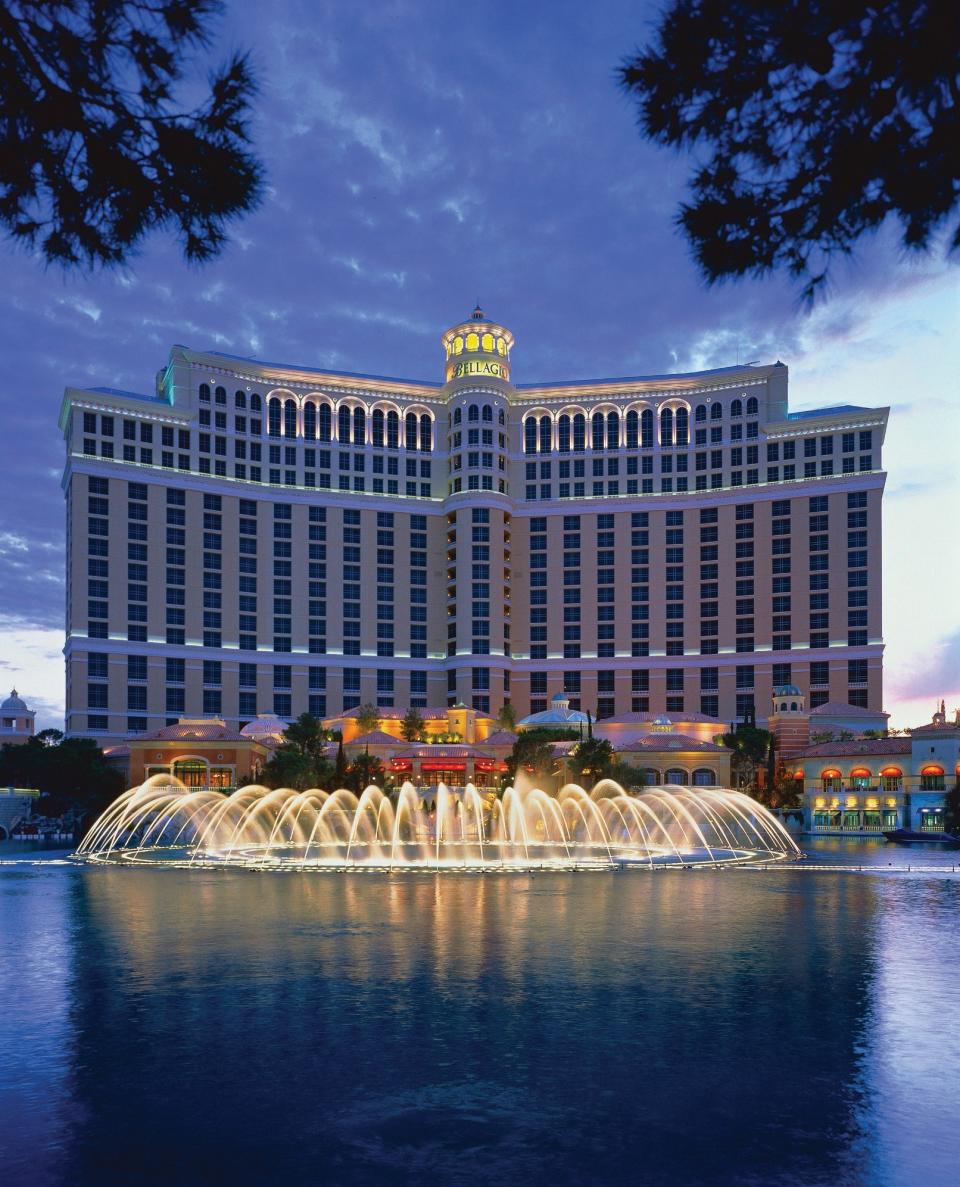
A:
x: 779, y: 1027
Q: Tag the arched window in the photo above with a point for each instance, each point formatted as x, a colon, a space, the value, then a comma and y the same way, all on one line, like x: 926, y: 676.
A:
x: 473, y: 412
x: 240, y: 399
x: 530, y: 435
x: 646, y: 428
x: 932, y: 778
x: 426, y: 433
x: 830, y: 779
x: 310, y: 421
x: 273, y: 418
x: 701, y: 414
x: 651, y: 777
x: 220, y: 395
x: 254, y: 402
x: 410, y: 439
x: 736, y: 408
x: 376, y: 426
x: 457, y: 415
x: 289, y: 418
x: 359, y: 426
x: 343, y: 425
x: 205, y: 392
x: 596, y: 437
x: 633, y: 429
x: 752, y: 406
x: 501, y: 417
x: 579, y: 432
x: 487, y: 413
x: 325, y: 422
x: 393, y: 430
x: 704, y: 777
x: 546, y: 434
x: 675, y: 775
x: 613, y: 430
x: 716, y: 411
x: 666, y: 426
x: 563, y: 433
x: 682, y: 424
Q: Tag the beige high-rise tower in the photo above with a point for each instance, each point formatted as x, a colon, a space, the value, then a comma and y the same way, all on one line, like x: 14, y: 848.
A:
x: 255, y: 537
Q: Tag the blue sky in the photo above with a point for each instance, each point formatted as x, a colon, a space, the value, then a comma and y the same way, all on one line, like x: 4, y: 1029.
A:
x: 423, y: 155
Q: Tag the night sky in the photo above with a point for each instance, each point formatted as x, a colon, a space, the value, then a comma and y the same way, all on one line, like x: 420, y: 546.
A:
x: 424, y: 155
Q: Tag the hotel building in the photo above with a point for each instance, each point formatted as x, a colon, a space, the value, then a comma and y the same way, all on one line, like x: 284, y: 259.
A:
x: 265, y: 538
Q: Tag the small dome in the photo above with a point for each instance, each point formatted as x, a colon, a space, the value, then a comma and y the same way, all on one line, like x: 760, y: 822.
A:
x: 787, y: 690
x: 14, y: 702
x: 265, y: 726
x: 561, y: 698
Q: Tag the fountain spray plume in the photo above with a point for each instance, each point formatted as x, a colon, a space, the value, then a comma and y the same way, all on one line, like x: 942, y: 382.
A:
x: 162, y: 822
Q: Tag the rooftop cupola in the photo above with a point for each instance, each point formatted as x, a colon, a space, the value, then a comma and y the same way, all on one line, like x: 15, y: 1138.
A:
x: 477, y: 348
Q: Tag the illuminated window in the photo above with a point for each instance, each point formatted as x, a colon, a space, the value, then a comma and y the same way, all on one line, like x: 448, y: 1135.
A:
x: 473, y: 341
x: 458, y: 345
x: 487, y: 341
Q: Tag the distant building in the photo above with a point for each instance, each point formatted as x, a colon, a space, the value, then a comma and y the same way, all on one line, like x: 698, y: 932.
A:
x: 17, y: 722
x: 862, y: 785
x: 16, y: 806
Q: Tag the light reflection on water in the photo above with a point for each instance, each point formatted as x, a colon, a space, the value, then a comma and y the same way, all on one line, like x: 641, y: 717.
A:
x: 739, y: 1027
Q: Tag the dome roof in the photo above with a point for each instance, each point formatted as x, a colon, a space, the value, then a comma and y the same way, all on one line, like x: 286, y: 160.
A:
x: 787, y: 690
x: 14, y: 702
x: 556, y: 716
x: 265, y: 726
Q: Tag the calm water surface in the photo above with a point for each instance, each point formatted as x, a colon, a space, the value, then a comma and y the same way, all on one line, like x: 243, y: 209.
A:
x: 741, y: 1027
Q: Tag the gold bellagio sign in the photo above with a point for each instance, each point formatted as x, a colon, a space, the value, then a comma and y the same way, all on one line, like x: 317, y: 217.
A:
x: 479, y: 367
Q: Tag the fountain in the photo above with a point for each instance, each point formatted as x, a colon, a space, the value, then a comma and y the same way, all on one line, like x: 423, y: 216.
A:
x: 162, y: 822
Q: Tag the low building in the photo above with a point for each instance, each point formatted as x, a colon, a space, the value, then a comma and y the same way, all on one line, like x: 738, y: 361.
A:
x: 17, y: 722
x: 455, y: 723
x: 16, y: 806
x: 201, y: 752
x: 457, y: 765
x: 866, y: 786
x: 794, y: 728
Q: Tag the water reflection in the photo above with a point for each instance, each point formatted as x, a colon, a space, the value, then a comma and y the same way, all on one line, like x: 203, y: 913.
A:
x: 702, y: 1027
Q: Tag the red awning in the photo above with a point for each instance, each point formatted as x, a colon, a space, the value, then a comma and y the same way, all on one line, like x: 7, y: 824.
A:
x: 447, y: 764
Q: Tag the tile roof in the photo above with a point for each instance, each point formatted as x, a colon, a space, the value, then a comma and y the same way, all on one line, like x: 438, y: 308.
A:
x: 376, y: 738
x: 856, y: 746
x: 842, y: 709
x: 193, y: 731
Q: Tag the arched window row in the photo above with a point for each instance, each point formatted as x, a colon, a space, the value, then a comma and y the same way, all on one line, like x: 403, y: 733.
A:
x: 715, y: 410
x: 607, y: 430
x: 314, y: 420
x: 240, y: 398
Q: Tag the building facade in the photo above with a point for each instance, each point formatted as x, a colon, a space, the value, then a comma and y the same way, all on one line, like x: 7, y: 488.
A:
x: 858, y: 786
x: 255, y: 538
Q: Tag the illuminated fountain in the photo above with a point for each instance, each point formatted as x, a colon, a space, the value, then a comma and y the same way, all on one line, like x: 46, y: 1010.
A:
x: 165, y: 823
